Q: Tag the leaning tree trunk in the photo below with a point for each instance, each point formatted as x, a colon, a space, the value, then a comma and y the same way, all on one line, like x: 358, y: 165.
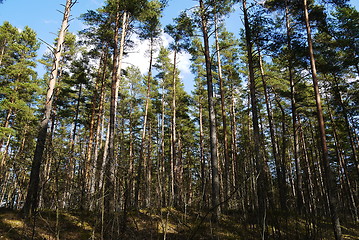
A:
x: 329, y: 178
x: 31, y: 201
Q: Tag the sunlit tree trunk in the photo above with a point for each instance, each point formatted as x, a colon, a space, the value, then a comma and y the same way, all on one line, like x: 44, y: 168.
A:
x: 109, y: 170
x: 31, y: 201
x: 329, y: 178
x: 224, y: 118
x: 174, y: 160
x: 212, y: 116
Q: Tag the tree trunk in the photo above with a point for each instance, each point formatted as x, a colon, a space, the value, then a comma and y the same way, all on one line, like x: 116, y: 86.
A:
x: 212, y: 117
x: 109, y: 177
x: 174, y: 162
x: 329, y: 178
x: 259, y: 161
x: 347, y: 125
x: 224, y: 119
x: 89, y: 160
x: 294, y: 114
x: 2, y: 51
x: 142, y: 158
x: 344, y: 171
x: 98, y: 159
x: 201, y: 151
x: 280, y: 174
x: 162, y: 161
x: 311, y: 199
x: 31, y: 201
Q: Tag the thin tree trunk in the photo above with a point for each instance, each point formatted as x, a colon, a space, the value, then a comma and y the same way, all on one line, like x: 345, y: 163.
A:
x: 31, y: 201
x: 224, y: 119
x: 4, y: 150
x: 163, y: 168
x: 300, y: 198
x: 201, y: 150
x: 329, y: 178
x: 2, y: 51
x: 259, y: 161
x: 142, y: 158
x: 311, y: 201
x: 347, y: 125
x: 89, y: 160
x: 98, y: 160
x: 72, y: 161
x: 235, y: 165
x: 344, y: 171
x: 148, y: 170
x: 174, y: 135
x: 99, y: 115
x: 280, y: 174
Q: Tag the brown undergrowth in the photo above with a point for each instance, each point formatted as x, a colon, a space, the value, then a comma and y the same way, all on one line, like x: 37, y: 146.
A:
x: 167, y: 223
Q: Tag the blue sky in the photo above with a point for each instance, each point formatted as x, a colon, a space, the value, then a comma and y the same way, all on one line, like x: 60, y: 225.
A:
x: 44, y: 18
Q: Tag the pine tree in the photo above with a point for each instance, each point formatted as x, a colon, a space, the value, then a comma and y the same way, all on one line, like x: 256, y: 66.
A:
x: 31, y: 202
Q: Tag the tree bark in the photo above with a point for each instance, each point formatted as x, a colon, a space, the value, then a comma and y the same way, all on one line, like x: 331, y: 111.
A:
x: 344, y: 171
x: 347, y: 125
x: 31, y: 201
x: 280, y: 174
x: 174, y: 162
x: 109, y: 177
x: 201, y: 151
x: 142, y: 158
x: 259, y: 161
x: 224, y: 119
x: 212, y: 117
x: 329, y: 178
x: 299, y: 184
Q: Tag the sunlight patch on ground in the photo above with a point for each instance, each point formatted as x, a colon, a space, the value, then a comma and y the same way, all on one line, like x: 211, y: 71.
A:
x: 14, y: 223
x: 76, y: 221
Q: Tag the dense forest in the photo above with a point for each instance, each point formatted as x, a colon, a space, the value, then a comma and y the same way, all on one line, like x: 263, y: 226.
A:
x: 269, y: 134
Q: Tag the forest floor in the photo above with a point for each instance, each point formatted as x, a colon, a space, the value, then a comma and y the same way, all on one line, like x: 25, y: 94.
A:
x: 165, y: 224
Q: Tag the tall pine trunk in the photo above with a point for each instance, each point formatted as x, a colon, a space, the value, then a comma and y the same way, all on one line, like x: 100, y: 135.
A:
x: 224, y: 119
x: 280, y: 174
x: 329, y: 178
x: 212, y: 117
x: 109, y: 166
x: 31, y: 201
x: 174, y: 163
x: 142, y: 158
x: 258, y: 156
x: 294, y: 114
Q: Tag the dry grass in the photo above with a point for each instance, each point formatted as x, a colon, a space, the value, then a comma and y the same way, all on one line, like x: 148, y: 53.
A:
x: 169, y: 222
